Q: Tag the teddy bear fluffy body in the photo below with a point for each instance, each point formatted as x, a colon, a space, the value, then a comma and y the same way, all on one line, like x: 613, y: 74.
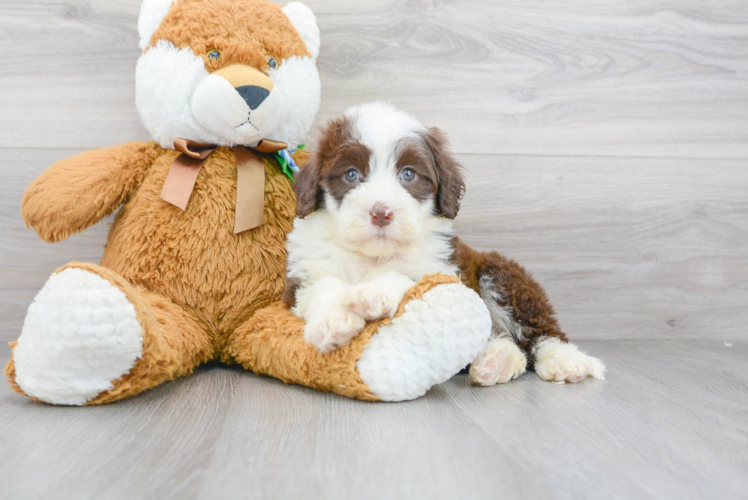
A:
x: 178, y: 288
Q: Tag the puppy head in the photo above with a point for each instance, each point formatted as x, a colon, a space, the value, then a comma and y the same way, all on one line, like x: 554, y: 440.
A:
x: 383, y: 177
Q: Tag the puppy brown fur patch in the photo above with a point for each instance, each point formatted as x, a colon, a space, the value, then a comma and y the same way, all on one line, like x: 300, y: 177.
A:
x: 416, y: 156
x: 350, y: 154
x: 289, y: 293
x: 527, y: 299
x: 337, y: 151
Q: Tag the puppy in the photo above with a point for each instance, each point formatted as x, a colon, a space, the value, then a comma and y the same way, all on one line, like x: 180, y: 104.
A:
x: 375, y: 210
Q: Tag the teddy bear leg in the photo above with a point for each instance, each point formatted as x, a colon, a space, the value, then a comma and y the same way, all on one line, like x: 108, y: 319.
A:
x: 91, y: 337
x: 438, y: 329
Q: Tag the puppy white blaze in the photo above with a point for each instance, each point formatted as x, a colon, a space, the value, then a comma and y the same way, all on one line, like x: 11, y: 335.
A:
x: 410, y: 219
x: 380, y: 126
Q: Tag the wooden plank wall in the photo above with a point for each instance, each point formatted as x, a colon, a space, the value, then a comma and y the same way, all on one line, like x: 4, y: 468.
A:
x: 606, y: 142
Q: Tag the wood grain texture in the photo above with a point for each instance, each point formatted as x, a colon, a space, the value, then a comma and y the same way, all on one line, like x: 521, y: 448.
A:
x: 659, y: 78
x: 25, y: 260
x: 663, y: 241
x: 606, y: 145
x: 626, y: 247
x: 655, y: 78
x: 670, y: 422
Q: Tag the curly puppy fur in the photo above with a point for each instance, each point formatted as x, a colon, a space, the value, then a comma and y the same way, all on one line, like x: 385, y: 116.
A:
x: 374, y: 214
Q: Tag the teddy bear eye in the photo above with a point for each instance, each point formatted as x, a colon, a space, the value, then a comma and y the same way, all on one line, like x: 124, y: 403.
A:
x: 408, y: 174
x: 214, y: 55
x: 272, y: 62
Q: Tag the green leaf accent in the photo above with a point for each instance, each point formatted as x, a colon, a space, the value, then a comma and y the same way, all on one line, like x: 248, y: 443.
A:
x: 284, y: 165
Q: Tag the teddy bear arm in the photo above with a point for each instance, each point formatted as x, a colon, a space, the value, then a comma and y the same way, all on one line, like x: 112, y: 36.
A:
x: 74, y: 193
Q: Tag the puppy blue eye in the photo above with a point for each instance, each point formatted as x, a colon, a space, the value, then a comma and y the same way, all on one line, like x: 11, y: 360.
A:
x: 408, y: 174
x: 214, y: 55
x: 272, y: 62
x: 351, y: 175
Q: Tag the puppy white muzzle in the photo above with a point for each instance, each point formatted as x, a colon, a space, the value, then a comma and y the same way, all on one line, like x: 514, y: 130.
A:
x: 238, y: 103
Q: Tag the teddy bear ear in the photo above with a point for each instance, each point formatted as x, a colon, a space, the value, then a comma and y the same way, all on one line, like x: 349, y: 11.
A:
x: 152, y: 12
x: 305, y: 23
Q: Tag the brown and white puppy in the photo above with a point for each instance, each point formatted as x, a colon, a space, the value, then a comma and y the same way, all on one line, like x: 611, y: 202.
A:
x: 375, y: 210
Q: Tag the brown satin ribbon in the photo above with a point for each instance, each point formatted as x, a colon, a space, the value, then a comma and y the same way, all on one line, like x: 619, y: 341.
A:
x: 250, y: 178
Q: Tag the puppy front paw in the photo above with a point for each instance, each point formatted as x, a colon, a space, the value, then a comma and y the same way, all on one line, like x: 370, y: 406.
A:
x: 336, y: 328
x: 373, y: 300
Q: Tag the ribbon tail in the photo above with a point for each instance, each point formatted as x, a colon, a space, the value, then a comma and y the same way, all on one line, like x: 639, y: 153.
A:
x: 250, y: 190
x: 180, y: 181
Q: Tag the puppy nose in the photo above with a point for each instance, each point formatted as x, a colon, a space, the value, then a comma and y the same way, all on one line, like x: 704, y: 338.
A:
x: 381, y: 215
x: 253, y: 95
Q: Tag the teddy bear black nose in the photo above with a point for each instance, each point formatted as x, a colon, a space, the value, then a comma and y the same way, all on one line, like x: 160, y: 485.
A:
x: 253, y: 95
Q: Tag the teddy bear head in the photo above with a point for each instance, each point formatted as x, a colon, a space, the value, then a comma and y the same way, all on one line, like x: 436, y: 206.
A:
x: 227, y: 72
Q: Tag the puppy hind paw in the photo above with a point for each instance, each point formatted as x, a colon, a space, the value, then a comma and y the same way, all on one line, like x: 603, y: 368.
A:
x: 333, y: 330
x: 499, y: 362
x: 556, y: 361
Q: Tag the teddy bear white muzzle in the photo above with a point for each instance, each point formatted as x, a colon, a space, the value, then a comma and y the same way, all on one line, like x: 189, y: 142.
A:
x: 238, y: 103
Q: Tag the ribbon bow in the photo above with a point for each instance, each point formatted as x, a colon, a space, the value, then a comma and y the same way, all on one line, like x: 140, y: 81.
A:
x: 250, y: 177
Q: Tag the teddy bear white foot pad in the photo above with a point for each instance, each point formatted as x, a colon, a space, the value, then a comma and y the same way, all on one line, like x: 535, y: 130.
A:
x: 415, y: 351
x: 80, y: 334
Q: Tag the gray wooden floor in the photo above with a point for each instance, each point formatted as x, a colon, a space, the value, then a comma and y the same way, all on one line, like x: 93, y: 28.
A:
x: 606, y: 143
x: 671, y: 421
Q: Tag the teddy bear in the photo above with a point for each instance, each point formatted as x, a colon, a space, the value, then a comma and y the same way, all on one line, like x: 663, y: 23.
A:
x: 194, y: 263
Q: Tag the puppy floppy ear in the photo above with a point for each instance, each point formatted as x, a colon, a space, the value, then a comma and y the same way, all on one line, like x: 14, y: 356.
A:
x: 448, y: 172
x: 307, y: 189
x: 309, y: 193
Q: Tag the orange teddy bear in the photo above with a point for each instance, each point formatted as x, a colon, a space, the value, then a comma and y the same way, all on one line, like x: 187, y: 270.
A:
x: 195, y: 259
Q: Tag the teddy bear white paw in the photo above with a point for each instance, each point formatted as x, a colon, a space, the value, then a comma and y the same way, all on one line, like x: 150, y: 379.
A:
x: 435, y: 337
x: 500, y: 361
x: 373, y: 300
x: 333, y: 328
x: 80, y: 334
x: 560, y: 362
